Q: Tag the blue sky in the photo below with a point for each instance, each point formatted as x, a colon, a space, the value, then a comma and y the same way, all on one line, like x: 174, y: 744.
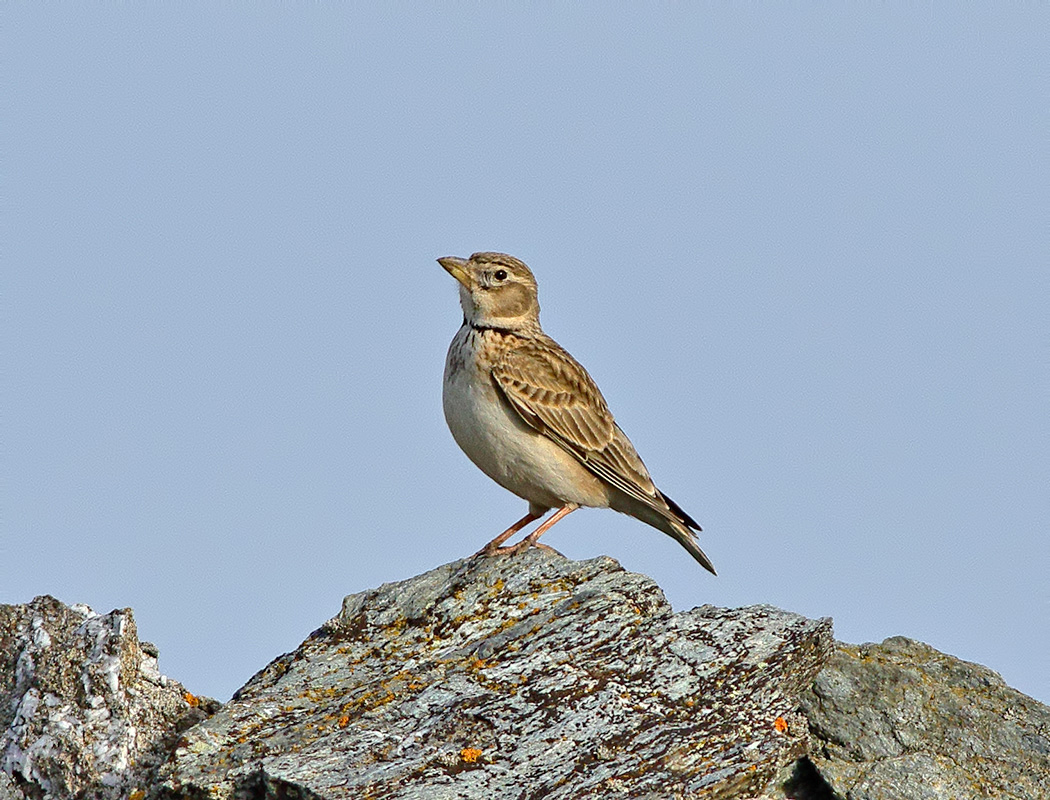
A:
x: 802, y: 250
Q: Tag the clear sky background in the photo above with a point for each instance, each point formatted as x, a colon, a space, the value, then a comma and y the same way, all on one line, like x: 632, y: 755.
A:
x: 804, y: 252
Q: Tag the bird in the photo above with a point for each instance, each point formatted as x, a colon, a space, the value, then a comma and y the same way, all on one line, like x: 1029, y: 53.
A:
x: 531, y: 417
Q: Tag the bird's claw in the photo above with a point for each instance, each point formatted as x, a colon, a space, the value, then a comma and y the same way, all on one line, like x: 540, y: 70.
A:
x: 513, y: 549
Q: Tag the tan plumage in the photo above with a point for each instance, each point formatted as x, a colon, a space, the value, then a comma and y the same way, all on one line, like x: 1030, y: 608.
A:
x: 511, y: 391
x: 556, y: 396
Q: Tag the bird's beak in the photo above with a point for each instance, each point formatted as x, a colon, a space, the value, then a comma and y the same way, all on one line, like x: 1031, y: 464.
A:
x: 455, y: 267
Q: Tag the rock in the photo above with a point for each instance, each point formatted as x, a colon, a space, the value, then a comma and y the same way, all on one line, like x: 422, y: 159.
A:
x: 903, y: 721
x: 84, y: 711
x: 8, y: 789
x: 524, y: 677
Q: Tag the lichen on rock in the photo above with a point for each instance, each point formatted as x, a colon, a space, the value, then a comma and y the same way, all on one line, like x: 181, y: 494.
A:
x: 529, y: 677
x: 84, y: 710
x: 522, y: 678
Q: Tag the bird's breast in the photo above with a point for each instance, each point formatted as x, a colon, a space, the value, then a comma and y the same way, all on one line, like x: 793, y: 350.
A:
x: 500, y: 443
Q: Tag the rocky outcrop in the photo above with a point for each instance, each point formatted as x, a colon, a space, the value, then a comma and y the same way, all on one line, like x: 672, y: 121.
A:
x: 902, y: 720
x: 524, y: 677
x: 536, y: 677
x: 84, y: 712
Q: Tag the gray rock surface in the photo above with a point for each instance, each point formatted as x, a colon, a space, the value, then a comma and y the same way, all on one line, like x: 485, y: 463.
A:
x: 84, y: 712
x: 902, y: 721
x: 8, y: 789
x: 525, y: 677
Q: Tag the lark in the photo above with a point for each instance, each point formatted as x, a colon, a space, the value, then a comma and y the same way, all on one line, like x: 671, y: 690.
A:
x: 532, y: 419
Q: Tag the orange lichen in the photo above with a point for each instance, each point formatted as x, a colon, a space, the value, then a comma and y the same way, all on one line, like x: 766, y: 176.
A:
x: 191, y: 699
x: 138, y: 794
x: 469, y: 754
x: 780, y: 724
x: 344, y: 721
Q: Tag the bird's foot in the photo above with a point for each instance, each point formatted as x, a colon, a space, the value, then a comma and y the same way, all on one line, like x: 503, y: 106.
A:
x: 493, y: 548
x: 513, y: 549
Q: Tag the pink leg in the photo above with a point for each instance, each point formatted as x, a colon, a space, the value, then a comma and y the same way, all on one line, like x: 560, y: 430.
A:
x: 530, y: 540
x: 494, y: 545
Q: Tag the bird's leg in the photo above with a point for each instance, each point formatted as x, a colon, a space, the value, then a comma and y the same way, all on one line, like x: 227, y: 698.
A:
x: 494, y: 545
x: 530, y: 540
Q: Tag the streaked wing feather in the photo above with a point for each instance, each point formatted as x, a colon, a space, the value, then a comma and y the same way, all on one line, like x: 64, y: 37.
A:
x: 554, y: 394
x: 619, y: 464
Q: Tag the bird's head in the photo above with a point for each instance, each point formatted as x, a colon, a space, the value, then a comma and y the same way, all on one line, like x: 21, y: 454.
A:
x: 496, y: 291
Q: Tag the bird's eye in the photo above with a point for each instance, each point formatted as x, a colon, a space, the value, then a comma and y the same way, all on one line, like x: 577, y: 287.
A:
x: 500, y: 275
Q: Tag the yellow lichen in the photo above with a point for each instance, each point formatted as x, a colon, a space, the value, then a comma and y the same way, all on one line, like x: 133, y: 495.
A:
x: 476, y: 664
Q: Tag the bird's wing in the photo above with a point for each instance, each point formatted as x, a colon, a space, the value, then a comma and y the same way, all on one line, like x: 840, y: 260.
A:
x: 554, y: 394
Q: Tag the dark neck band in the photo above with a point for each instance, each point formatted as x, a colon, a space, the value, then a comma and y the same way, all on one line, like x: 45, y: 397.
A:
x: 476, y: 327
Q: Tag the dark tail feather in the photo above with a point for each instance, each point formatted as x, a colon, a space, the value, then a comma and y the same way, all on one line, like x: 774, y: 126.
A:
x: 688, y: 541
x: 665, y: 515
x: 677, y: 509
x: 680, y: 531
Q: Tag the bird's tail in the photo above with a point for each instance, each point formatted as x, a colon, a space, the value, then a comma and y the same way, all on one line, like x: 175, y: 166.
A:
x: 673, y: 521
x: 687, y: 539
x: 680, y: 524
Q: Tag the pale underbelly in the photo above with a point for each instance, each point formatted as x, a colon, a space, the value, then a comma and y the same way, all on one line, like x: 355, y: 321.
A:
x: 510, y: 452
